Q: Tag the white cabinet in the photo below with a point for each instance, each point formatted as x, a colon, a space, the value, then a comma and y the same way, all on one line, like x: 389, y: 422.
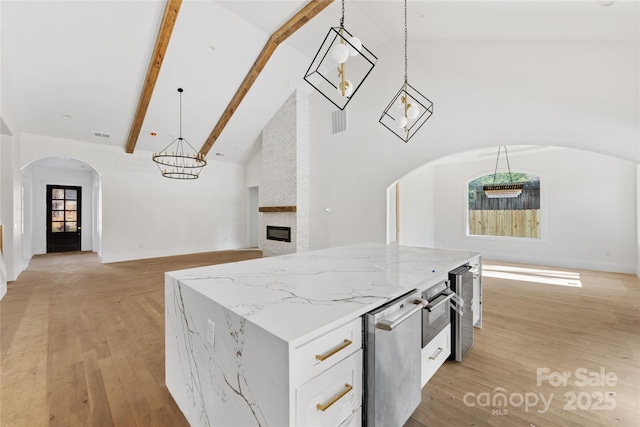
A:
x: 333, y: 396
x: 435, y: 354
x: 328, y: 378
x: 325, y: 351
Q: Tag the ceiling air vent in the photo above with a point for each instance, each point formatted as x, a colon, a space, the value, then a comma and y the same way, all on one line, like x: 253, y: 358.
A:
x: 338, y: 121
x: 102, y: 134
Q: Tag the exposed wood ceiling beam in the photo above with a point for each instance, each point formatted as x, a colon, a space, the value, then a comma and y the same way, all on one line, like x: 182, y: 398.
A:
x: 162, y: 41
x: 303, y: 16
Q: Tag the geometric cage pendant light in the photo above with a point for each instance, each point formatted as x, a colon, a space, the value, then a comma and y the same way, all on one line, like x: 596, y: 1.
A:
x: 408, y: 109
x: 340, y: 66
x: 179, y: 160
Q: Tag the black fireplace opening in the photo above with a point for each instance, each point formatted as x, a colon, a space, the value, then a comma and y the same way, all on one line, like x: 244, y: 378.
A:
x: 282, y: 234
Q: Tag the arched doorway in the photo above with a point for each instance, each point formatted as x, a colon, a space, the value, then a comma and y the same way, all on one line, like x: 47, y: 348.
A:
x: 61, y: 200
x: 587, y: 218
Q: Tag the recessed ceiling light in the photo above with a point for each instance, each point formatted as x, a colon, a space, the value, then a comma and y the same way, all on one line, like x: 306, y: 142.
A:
x: 605, y: 3
x: 153, y: 134
x: 211, y: 48
x: 220, y: 154
x: 419, y: 14
x: 66, y: 117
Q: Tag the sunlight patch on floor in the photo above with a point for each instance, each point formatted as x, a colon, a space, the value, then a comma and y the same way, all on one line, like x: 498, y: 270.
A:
x: 547, y: 277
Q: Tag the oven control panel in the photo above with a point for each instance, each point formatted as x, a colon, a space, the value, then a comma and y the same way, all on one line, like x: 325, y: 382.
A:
x: 435, y: 290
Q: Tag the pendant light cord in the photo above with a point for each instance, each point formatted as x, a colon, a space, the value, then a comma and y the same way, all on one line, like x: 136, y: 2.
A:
x: 495, y: 172
x: 405, y: 43
x: 342, y: 19
x: 508, y: 165
x: 180, y: 91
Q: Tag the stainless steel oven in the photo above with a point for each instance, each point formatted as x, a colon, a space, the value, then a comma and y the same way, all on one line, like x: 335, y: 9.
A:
x: 436, y: 315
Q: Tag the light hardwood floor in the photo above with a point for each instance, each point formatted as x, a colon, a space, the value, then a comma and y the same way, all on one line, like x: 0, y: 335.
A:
x: 82, y: 343
x: 530, y: 324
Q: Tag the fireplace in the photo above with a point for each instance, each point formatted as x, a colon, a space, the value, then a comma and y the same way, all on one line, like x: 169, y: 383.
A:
x: 282, y: 234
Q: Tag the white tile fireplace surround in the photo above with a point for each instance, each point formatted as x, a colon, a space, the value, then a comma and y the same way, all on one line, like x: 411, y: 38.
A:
x: 284, y: 184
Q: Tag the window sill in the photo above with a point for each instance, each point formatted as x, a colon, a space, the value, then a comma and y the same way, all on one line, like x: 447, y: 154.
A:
x: 505, y: 239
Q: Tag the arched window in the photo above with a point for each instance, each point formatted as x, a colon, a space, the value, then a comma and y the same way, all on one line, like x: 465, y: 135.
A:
x: 515, y: 216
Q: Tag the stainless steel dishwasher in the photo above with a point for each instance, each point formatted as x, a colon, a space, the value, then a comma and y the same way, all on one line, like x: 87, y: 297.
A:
x: 392, y: 351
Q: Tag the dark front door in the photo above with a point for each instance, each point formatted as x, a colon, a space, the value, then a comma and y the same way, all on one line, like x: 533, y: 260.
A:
x: 63, y: 218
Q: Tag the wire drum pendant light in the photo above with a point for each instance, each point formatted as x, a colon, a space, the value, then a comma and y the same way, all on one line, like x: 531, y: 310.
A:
x: 499, y: 191
x: 340, y: 66
x: 408, y: 109
x: 179, y: 160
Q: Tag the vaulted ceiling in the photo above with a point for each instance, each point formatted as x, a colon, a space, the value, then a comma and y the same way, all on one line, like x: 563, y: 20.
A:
x: 76, y: 69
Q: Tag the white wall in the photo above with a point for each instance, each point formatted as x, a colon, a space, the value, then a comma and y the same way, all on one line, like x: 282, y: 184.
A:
x: 252, y: 179
x: 253, y: 169
x: 638, y: 219
x: 27, y: 216
x: 145, y: 215
x: 11, y: 214
x: 417, y: 208
x: 485, y: 94
x: 392, y: 209
x: 3, y: 269
x: 3, y: 277
x: 587, y: 208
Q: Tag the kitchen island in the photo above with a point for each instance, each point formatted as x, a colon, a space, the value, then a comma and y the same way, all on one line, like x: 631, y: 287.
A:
x: 270, y: 341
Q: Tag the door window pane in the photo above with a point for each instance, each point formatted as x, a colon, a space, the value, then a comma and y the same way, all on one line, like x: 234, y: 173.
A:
x: 70, y: 226
x: 57, y: 216
x: 71, y: 194
x: 57, y: 193
x: 70, y: 216
x: 70, y: 205
x: 57, y: 205
x: 57, y: 227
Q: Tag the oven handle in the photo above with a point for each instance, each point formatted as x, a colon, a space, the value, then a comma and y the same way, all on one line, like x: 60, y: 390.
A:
x: 439, y: 301
x: 457, y: 304
x: 388, y: 325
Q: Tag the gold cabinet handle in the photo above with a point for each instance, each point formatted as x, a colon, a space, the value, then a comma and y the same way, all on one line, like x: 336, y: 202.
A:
x: 347, y: 389
x: 322, y: 357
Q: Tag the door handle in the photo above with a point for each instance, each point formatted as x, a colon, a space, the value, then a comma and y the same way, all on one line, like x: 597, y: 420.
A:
x: 439, y: 301
x: 389, y: 325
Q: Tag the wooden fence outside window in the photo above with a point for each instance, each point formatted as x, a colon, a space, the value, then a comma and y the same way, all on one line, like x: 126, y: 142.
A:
x: 512, y: 223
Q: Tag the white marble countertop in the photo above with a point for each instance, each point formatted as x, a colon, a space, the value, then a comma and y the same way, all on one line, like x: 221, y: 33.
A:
x: 297, y: 297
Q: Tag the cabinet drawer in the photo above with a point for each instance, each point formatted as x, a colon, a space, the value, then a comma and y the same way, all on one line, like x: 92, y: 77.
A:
x: 435, y: 354
x: 314, y: 357
x: 333, y: 396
